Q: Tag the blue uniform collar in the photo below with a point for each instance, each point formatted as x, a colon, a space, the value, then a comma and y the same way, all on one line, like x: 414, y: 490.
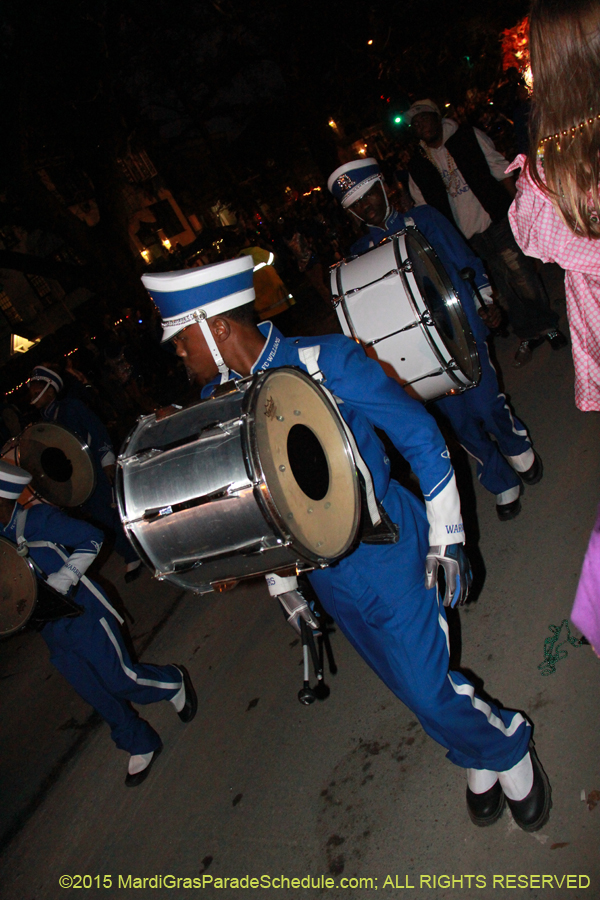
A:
x: 393, y: 224
x: 7, y: 529
x: 51, y: 410
x: 273, y: 342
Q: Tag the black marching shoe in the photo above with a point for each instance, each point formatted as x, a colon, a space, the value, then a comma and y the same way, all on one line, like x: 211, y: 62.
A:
x: 556, y: 339
x: 508, y: 511
x: 533, y: 811
x: 134, y: 780
x: 190, y: 706
x: 534, y: 472
x: 485, y: 809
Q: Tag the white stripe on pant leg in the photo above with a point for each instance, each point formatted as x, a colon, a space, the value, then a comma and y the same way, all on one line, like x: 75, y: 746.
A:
x: 145, y: 682
x: 506, y: 406
x: 444, y: 626
x: 467, y: 690
x: 472, y: 455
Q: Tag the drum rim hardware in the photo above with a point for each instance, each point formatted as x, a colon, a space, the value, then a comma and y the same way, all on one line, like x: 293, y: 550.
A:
x: 238, y: 466
x: 459, y: 311
x: 35, y: 487
x: 44, y: 596
x: 262, y: 491
x: 422, y: 318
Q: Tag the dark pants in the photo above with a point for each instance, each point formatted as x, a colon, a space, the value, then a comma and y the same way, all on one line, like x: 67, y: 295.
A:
x: 514, y: 277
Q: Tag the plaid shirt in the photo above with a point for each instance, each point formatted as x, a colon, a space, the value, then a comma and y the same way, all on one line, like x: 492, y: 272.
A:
x: 540, y: 231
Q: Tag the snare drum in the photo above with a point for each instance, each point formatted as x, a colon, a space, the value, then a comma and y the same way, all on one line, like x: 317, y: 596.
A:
x: 26, y: 601
x: 256, y: 479
x: 399, y: 302
x: 59, y: 462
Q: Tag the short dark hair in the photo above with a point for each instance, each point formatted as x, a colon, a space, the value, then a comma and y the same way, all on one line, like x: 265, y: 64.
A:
x: 244, y: 315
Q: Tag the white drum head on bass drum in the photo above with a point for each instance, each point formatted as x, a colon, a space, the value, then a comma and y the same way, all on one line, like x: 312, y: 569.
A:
x: 60, y: 464
x: 308, y: 475
x: 399, y: 302
x: 18, y: 589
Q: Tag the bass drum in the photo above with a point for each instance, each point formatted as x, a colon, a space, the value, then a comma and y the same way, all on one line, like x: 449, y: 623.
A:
x: 24, y: 600
x: 399, y: 302
x: 59, y: 462
x: 258, y: 478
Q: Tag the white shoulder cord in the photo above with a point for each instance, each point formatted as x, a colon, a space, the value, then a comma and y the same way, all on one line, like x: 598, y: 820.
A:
x: 309, y: 356
x: 23, y: 550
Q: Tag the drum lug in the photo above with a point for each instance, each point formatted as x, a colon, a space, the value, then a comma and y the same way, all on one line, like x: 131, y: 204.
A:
x: 427, y: 319
x: 406, y: 265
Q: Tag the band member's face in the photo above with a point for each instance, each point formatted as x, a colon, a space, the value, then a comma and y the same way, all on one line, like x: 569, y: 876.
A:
x: 371, y: 206
x: 191, y: 347
x: 428, y: 127
x: 35, y: 389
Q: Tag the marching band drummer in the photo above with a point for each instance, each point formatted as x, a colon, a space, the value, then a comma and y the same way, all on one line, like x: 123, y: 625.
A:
x: 383, y: 595
x: 89, y: 650
x: 506, y: 461
x: 44, y: 387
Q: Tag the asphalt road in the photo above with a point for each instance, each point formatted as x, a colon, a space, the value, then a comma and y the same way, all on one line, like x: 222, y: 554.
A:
x: 351, y: 788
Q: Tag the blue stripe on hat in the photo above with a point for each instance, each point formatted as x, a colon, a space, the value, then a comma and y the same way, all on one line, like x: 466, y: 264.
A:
x: 351, y: 178
x: 174, y: 303
x: 42, y: 373
x: 12, y: 480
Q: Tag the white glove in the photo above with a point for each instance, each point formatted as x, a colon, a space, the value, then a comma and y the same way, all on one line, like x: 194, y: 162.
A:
x: 278, y: 584
x: 63, y: 580
x: 486, y: 295
x: 296, y: 608
x: 457, y: 572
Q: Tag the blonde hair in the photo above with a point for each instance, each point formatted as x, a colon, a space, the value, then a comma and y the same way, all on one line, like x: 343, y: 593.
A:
x: 565, y: 118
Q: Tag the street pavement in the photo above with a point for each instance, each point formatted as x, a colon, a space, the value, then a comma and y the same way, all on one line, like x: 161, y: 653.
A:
x: 350, y: 788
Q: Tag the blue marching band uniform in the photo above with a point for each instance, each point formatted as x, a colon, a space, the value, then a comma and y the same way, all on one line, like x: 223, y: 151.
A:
x: 377, y: 593
x: 89, y: 649
x: 75, y: 415
x: 503, y: 463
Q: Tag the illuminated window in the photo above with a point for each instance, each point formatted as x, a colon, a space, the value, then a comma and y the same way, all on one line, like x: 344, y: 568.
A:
x: 8, y: 309
x: 48, y: 293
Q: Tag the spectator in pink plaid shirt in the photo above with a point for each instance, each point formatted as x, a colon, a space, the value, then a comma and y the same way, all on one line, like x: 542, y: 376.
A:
x: 556, y: 214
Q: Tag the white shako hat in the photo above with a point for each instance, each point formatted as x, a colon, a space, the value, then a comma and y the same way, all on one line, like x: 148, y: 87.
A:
x: 43, y: 373
x: 194, y: 295
x: 12, y: 480
x: 349, y: 182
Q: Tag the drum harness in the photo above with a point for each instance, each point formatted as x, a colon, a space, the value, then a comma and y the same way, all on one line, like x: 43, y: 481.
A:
x: 23, y: 550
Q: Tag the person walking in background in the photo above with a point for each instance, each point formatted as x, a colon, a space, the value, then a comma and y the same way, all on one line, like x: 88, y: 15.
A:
x: 89, y: 650
x: 458, y: 170
x: 481, y: 418
x: 556, y: 214
x: 45, y: 386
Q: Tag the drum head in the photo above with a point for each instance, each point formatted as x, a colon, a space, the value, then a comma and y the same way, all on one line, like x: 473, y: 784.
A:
x: 18, y: 589
x: 60, y: 464
x: 306, y: 465
x: 444, y: 306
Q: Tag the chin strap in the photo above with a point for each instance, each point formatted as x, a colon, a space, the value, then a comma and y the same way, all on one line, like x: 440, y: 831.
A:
x: 388, y: 208
x: 201, y: 319
x: 41, y: 393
